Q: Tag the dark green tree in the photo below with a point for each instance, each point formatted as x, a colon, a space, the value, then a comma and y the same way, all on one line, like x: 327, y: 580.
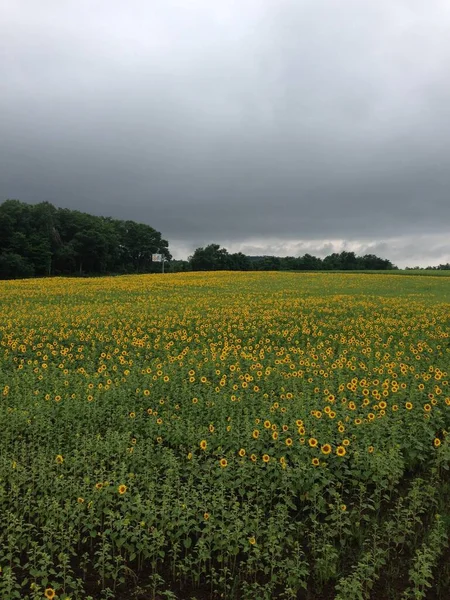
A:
x: 50, y: 241
x: 210, y: 258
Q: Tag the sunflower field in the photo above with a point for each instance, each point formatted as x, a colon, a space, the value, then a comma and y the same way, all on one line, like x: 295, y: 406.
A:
x: 225, y: 435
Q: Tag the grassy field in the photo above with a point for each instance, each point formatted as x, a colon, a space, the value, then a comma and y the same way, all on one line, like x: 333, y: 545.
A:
x: 408, y: 272
x: 225, y: 435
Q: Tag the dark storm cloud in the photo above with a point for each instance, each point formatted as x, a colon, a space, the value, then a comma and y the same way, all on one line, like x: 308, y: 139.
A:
x: 243, y: 122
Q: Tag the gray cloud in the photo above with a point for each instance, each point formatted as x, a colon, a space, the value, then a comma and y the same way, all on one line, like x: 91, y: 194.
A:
x: 285, y: 122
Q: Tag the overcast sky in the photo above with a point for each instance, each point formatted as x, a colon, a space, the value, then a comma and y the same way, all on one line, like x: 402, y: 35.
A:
x: 269, y: 126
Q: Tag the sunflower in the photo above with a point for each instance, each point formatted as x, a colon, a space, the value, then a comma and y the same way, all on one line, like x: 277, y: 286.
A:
x: 49, y: 593
x: 315, y: 462
x: 203, y: 444
x: 253, y: 457
x: 122, y: 489
x: 206, y: 516
x: 341, y: 451
x: 408, y: 405
x: 312, y: 442
x: 255, y: 434
x: 241, y: 452
x: 288, y: 441
x: 252, y: 541
x: 267, y: 424
x: 266, y: 458
x: 437, y: 442
x: 59, y: 459
x: 223, y: 463
x: 99, y: 485
x: 326, y: 449
x: 275, y: 435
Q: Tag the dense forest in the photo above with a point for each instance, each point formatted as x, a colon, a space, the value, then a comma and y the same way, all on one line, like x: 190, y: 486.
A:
x: 42, y: 240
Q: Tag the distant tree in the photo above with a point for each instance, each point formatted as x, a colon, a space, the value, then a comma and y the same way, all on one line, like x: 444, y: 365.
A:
x: 370, y: 261
x: 268, y: 263
x: 177, y: 266
x: 332, y: 262
x: 348, y: 261
x: 309, y: 263
x: 238, y: 262
x: 210, y: 258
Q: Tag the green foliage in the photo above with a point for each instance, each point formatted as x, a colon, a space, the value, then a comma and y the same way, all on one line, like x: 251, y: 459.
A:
x: 43, y: 240
x: 215, y: 258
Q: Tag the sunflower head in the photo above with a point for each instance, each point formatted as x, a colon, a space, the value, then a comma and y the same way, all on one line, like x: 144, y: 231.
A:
x: 326, y: 449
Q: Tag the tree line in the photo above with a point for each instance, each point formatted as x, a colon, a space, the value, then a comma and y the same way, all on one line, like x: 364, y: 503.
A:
x: 40, y: 239
x: 215, y: 258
